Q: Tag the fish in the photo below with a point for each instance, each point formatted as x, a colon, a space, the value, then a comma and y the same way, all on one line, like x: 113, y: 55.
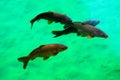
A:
x: 68, y: 29
x: 44, y: 51
x: 82, y: 29
x: 90, y: 30
x: 52, y: 17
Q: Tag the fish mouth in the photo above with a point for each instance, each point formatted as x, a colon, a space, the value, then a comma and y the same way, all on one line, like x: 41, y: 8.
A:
x: 64, y: 48
x: 106, y: 37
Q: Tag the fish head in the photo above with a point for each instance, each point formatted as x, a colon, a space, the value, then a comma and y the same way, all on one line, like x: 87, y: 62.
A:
x: 61, y: 48
x: 100, y: 33
x: 58, y: 48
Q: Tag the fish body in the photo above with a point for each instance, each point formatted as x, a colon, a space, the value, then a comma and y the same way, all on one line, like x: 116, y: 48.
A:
x: 82, y: 29
x: 52, y: 16
x: 44, y: 51
x: 69, y: 29
x: 89, y: 30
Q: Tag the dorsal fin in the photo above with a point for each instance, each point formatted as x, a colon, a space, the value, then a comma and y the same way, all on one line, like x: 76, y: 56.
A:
x: 41, y: 46
x: 92, y: 22
x: 49, y: 11
x: 50, y: 21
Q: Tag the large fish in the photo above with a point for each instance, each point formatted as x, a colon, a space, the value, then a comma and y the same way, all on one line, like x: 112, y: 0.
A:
x: 68, y: 29
x: 82, y: 29
x: 90, y: 30
x: 44, y: 51
x: 52, y: 16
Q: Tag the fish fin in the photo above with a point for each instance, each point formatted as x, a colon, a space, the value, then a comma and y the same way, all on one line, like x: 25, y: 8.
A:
x: 57, y: 33
x: 79, y: 33
x: 92, y: 22
x: 31, y: 23
x: 25, y: 61
x: 31, y: 26
x: 89, y: 36
x: 50, y: 11
x: 45, y: 58
x: 49, y: 21
x: 41, y: 46
x: 33, y: 58
x: 66, y: 26
x: 55, y: 54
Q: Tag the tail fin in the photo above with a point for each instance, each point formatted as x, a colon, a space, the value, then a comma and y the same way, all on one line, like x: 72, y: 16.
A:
x: 57, y: 33
x: 32, y: 21
x: 31, y: 24
x: 24, y: 60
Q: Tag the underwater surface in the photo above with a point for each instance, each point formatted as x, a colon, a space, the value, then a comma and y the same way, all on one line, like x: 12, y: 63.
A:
x: 85, y: 59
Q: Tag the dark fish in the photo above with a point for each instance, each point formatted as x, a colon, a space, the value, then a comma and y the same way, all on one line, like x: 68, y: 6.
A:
x: 89, y: 30
x: 44, y: 51
x: 68, y: 29
x: 82, y: 29
x: 52, y: 16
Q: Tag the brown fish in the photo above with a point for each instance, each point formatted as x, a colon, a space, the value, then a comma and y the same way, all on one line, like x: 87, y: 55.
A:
x: 44, y: 51
x: 52, y: 16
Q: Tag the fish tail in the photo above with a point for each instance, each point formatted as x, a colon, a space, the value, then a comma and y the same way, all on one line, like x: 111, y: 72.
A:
x: 57, y: 33
x: 25, y: 61
x: 31, y: 24
x: 32, y: 21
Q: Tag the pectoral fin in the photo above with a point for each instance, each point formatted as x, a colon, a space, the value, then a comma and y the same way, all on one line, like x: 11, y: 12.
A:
x: 79, y: 33
x: 55, y: 54
x: 49, y: 21
x: 45, y: 58
x: 89, y: 36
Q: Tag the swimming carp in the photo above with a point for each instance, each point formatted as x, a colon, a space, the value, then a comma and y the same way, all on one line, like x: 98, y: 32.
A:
x: 90, y: 30
x: 69, y: 29
x: 51, y: 17
x: 44, y: 51
x: 82, y: 29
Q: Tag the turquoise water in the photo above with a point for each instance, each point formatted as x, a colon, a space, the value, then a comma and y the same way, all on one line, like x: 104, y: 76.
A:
x: 85, y: 59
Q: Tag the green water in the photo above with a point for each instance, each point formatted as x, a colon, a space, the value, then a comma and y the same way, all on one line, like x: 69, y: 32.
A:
x: 85, y: 59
